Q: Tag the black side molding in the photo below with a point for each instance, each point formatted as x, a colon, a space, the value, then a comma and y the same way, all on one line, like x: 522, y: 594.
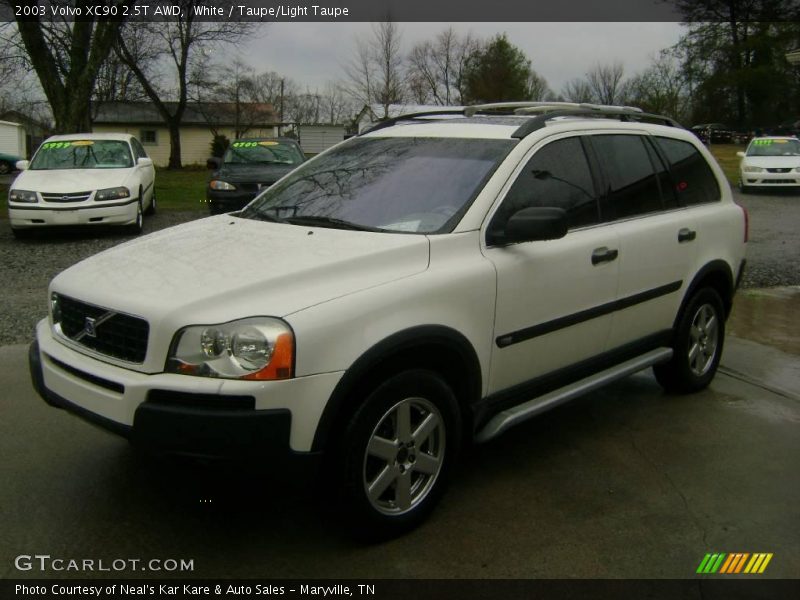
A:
x: 522, y: 335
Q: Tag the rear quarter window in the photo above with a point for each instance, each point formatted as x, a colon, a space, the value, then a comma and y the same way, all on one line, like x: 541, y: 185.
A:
x: 693, y: 178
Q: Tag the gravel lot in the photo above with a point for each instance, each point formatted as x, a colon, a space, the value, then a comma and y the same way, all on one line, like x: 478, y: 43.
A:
x: 28, y: 266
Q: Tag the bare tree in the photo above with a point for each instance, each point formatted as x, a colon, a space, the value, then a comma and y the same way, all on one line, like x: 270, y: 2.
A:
x: 176, y: 46
x: 67, y: 58
x: 375, y: 72
x: 577, y: 90
x: 661, y: 88
x: 605, y: 81
x: 436, y: 67
x: 538, y: 90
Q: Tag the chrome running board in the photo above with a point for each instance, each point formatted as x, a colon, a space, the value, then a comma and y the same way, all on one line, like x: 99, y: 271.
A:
x: 517, y: 414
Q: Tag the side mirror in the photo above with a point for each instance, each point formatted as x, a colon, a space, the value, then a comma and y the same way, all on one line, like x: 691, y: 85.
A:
x: 740, y: 154
x: 533, y: 225
x: 145, y: 162
x: 214, y: 163
x: 22, y: 164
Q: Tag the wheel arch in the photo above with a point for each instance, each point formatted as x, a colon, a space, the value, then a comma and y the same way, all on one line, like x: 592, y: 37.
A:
x: 716, y: 274
x: 438, y: 348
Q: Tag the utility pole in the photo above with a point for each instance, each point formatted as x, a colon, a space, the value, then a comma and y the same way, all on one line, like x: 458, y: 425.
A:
x: 280, y: 125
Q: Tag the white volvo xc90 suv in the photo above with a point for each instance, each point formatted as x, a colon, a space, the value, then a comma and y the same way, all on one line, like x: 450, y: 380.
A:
x: 417, y: 288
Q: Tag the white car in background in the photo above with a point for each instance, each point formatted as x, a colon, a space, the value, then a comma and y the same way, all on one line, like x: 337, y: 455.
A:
x: 770, y: 162
x: 83, y: 179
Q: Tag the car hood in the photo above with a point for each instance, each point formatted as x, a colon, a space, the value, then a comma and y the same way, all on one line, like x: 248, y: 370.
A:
x: 255, y: 173
x: 223, y: 268
x: 70, y: 180
x: 772, y: 162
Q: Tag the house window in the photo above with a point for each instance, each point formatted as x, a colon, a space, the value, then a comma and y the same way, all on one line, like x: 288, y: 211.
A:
x: 148, y: 137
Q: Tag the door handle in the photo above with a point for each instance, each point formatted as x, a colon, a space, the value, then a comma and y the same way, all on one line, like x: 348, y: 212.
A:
x: 686, y: 235
x: 603, y: 254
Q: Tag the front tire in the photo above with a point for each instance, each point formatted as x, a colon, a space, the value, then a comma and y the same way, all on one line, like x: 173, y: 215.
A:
x: 699, y: 339
x: 136, y: 227
x: 397, y: 454
x: 151, y: 210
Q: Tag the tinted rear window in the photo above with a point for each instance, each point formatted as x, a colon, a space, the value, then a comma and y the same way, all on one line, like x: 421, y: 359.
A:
x: 693, y: 179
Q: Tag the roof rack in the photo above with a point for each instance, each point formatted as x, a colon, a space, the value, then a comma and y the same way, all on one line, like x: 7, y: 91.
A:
x: 540, y: 113
x: 627, y: 114
x: 411, y: 116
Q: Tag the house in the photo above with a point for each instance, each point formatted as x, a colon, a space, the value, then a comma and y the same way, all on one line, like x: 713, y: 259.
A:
x: 372, y: 114
x: 318, y: 137
x: 201, y: 122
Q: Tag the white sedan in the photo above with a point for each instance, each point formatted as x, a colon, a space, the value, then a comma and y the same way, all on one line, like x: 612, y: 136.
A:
x: 83, y: 179
x: 770, y: 162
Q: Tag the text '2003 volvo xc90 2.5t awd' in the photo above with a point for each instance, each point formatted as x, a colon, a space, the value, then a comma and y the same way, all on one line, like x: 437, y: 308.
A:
x: 417, y: 288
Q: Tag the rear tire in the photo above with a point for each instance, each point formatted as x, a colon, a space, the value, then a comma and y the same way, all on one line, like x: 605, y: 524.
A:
x: 397, y: 454
x: 699, y: 338
x: 5, y: 168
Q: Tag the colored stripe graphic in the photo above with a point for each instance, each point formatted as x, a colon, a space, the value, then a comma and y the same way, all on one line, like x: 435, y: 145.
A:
x: 734, y: 563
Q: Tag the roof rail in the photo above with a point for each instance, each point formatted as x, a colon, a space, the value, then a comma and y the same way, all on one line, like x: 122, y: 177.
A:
x: 540, y: 113
x: 411, y: 116
x: 622, y: 113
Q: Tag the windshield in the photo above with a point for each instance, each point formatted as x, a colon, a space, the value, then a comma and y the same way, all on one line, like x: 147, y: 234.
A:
x: 774, y: 147
x: 418, y: 185
x: 83, y: 154
x: 262, y: 152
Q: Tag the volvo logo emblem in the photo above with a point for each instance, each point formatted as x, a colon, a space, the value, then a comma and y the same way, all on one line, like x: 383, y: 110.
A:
x: 90, y: 327
x: 65, y: 198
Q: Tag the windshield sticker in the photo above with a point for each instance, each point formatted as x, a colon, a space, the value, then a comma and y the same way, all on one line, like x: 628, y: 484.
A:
x: 58, y: 145
x: 268, y: 143
x: 762, y: 142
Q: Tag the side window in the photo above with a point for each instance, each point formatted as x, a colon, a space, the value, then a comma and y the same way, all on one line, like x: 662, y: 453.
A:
x: 694, y: 181
x: 632, y: 186
x: 557, y: 175
x: 669, y: 195
x: 138, y: 149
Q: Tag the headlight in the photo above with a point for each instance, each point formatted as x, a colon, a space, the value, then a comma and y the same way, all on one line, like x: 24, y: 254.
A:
x: 750, y: 169
x: 254, y: 348
x: 216, y: 184
x: 22, y: 196
x: 115, y: 193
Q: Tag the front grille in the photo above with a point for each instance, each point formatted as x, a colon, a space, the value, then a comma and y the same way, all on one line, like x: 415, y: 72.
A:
x: 115, y: 334
x: 778, y: 170
x: 72, y: 197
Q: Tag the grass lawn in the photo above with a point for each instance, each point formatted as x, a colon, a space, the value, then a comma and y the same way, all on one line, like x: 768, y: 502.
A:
x: 176, y: 190
x: 727, y: 159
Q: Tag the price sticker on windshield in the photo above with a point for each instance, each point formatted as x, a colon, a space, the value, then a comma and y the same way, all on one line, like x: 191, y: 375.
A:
x: 58, y: 145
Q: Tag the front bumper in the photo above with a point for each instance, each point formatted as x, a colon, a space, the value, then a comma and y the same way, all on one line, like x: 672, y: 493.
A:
x: 40, y: 215
x: 790, y: 179
x: 177, y: 414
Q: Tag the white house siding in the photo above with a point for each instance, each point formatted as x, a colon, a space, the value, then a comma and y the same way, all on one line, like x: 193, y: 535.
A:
x: 12, y: 139
x: 195, y: 141
x: 316, y: 138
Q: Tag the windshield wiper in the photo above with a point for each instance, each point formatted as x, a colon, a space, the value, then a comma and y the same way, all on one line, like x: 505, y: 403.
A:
x: 317, y: 221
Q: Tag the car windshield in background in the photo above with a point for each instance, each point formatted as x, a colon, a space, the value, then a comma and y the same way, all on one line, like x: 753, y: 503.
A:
x: 262, y: 152
x: 774, y: 147
x: 83, y: 154
x: 416, y: 185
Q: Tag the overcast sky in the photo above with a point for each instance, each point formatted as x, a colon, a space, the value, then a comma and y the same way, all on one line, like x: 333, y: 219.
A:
x: 314, y: 53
